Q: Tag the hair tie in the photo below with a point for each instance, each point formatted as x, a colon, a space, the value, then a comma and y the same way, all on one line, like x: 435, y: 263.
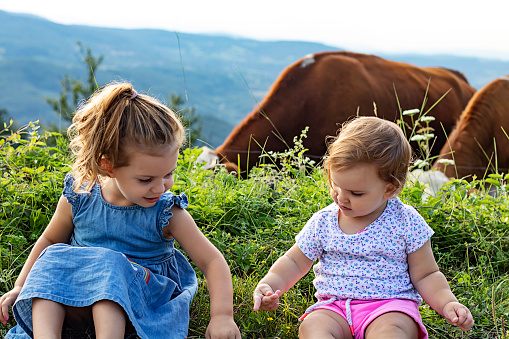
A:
x: 135, y: 94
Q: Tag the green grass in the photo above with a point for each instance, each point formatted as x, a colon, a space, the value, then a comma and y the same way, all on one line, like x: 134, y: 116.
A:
x: 253, y: 221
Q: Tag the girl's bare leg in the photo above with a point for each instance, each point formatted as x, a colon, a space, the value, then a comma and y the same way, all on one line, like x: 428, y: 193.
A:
x: 109, y: 320
x: 48, y: 318
x: 394, y: 325
x: 324, y: 324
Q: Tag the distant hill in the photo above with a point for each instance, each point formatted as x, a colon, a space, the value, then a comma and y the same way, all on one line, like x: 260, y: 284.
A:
x: 222, y: 77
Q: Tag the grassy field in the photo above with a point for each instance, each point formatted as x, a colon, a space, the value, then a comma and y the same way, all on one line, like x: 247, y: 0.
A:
x: 253, y: 221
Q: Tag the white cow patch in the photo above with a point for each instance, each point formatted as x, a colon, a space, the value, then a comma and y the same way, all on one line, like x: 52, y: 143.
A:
x: 208, y: 157
x: 307, y: 60
x: 432, y: 179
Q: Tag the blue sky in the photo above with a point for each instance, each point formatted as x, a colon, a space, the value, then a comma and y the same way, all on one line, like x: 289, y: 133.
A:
x: 461, y: 27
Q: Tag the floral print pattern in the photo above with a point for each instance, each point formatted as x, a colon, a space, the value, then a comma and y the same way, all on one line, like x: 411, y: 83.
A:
x: 371, y: 264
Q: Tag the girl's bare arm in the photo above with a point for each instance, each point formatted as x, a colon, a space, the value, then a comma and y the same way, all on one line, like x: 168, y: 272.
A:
x: 434, y: 288
x: 214, y: 267
x: 59, y: 230
x: 283, y: 274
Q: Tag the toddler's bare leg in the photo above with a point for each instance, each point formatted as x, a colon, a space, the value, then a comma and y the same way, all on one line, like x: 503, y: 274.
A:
x: 392, y: 325
x: 109, y: 320
x: 324, y: 324
x: 48, y: 318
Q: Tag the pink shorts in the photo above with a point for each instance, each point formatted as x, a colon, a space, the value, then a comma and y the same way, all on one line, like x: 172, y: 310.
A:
x: 365, y: 311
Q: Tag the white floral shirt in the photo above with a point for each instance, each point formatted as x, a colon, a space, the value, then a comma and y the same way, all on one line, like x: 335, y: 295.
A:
x: 371, y: 264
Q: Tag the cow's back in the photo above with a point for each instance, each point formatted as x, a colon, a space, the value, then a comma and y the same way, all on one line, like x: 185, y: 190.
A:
x: 324, y: 90
x: 479, y: 143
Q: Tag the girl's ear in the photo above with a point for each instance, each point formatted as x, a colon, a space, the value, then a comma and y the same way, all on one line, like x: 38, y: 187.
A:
x: 106, y: 167
x: 390, y: 189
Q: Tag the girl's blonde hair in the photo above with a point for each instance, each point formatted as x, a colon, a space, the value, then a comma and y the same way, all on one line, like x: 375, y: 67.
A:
x: 115, y: 121
x: 375, y: 141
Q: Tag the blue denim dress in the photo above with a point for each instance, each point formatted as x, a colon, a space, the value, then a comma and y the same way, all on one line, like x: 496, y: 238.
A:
x: 119, y: 254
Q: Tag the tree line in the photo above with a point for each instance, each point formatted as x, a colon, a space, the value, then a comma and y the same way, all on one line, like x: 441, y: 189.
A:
x: 73, y: 91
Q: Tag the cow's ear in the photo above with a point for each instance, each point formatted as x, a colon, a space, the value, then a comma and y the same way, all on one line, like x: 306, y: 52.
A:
x: 390, y: 190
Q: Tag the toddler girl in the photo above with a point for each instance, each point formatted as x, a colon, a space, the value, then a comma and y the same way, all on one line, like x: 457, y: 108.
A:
x: 107, y: 259
x: 374, y: 252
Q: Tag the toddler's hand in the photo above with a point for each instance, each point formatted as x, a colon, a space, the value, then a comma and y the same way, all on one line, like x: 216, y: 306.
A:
x: 458, y: 315
x: 265, y: 298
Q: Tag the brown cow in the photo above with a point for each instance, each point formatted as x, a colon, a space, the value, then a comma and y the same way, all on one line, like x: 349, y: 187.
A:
x: 326, y: 89
x: 481, y: 126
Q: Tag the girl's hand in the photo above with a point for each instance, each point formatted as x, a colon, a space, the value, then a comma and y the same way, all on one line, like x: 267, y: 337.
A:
x: 222, y: 327
x: 265, y: 298
x: 458, y: 315
x: 8, y: 300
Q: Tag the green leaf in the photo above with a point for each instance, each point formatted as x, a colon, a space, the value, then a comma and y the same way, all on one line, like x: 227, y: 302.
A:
x: 493, y: 182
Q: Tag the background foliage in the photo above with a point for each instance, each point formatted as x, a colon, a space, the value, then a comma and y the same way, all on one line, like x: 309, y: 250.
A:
x: 253, y: 221
x: 223, y: 77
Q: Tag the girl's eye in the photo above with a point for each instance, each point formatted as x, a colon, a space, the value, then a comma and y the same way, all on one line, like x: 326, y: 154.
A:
x: 145, y: 180
x: 356, y: 194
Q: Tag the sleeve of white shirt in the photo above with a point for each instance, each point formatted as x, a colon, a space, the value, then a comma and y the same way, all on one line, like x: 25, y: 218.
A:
x: 308, y: 238
x: 417, y: 231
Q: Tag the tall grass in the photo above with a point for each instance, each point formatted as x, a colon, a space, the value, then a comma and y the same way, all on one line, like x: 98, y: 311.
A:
x: 253, y: 221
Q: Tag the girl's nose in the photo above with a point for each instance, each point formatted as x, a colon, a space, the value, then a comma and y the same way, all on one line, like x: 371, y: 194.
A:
x: 342, y: 198
x: 159, y: 187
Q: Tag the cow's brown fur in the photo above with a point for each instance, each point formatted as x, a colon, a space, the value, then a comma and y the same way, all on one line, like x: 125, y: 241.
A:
x: 332, y: 89
x: 480, y: 127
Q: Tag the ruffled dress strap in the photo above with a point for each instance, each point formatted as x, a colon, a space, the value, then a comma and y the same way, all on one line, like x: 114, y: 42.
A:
x: 170, y: 199
x: 72, y: 197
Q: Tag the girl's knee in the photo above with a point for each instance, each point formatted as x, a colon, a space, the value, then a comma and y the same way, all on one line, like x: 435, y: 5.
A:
x: 47, y: 318
x: 107, y: 309
x: 324, y: 324
x: 44, y: 307
x: 392, y: 325
x: 307, y: 329
x: 106, y: 303
x: 109, y: 319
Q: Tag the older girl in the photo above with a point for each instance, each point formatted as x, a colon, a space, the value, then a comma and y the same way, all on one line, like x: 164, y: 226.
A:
x: 107, y: 258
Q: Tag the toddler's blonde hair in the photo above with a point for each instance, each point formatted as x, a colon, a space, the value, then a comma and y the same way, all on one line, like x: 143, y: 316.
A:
x: 375, y: 141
